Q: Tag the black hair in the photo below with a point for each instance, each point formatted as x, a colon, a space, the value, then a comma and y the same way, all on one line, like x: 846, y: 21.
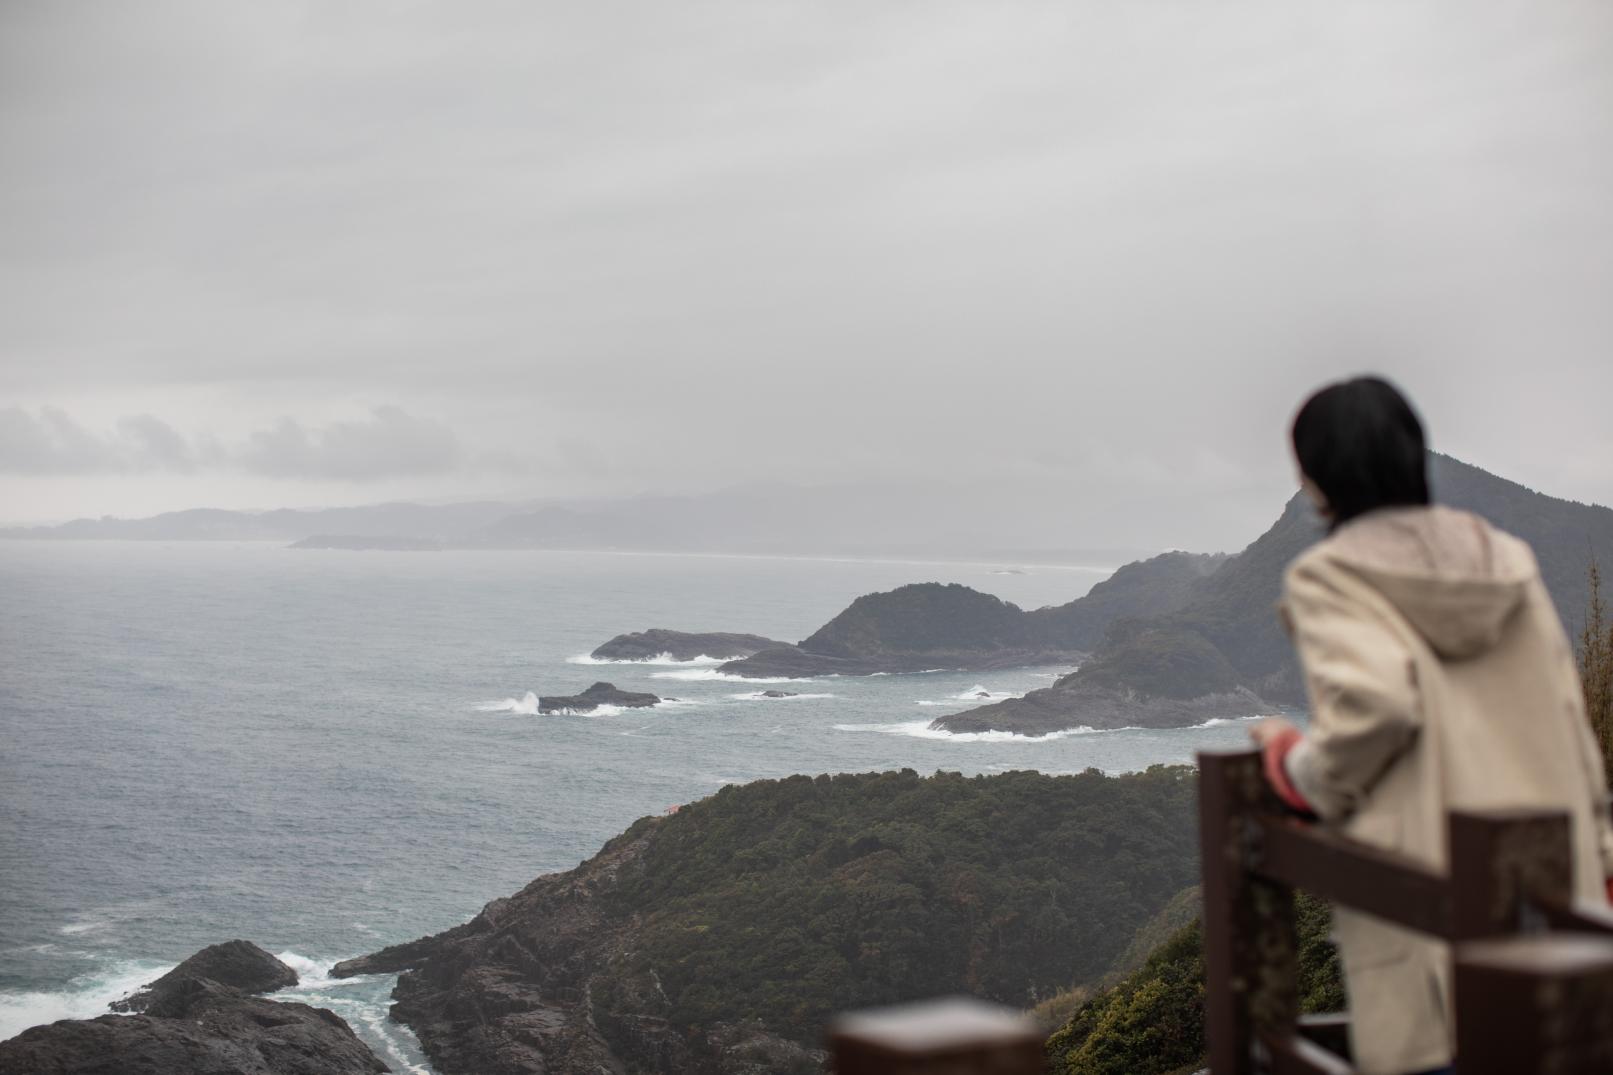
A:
x: 1362, y: 444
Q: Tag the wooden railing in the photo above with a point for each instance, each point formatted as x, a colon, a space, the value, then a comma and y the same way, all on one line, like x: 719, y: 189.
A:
x: 1533, y: 973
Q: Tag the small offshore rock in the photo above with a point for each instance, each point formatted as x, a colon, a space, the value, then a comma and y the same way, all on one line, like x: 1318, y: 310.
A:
x: 238, y: 964
x: 594, y: 697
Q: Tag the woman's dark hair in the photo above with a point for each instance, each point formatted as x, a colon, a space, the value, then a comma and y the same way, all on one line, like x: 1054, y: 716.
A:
x: 1362, y: 444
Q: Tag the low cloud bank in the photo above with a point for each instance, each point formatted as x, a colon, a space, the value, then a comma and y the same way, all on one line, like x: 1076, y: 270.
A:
x: 390, y: 443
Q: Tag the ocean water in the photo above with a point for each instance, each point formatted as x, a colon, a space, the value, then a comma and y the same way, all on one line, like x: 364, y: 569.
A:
x: 327, y: 752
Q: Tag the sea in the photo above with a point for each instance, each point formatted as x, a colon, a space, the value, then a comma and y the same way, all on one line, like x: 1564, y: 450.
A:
x: 326, y: 752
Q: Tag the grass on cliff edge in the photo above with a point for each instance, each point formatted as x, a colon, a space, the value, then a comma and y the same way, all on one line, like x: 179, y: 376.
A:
x: 1152, y: 1022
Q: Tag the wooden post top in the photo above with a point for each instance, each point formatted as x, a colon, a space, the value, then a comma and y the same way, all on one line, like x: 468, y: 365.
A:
x: 941, y: 1025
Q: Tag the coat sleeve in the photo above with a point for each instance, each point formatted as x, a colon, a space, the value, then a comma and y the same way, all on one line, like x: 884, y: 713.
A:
x: 1365, y: 705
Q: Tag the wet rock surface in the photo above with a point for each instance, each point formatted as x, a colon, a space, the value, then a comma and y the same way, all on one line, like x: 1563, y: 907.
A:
x: 194, y: 1025
x: 594, y: 697
x: 238, y: 964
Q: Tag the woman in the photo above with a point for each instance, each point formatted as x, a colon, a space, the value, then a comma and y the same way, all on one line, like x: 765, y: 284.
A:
x: 1439, y: 678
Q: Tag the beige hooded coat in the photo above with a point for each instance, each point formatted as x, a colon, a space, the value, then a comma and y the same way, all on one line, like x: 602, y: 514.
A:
x: 1439, y: 677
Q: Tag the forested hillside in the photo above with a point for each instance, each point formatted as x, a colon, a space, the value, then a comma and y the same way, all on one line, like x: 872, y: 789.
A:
x: 736, y: 926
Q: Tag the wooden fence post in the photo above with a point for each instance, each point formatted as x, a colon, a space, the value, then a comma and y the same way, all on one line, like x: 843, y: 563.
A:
x: 1501, y: 860
x: 1535, y: 1005
x: 1250, y: 966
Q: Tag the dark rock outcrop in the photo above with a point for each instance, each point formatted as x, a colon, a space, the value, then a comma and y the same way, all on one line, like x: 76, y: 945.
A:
x: 778, y: 694
x: 681, y: 646
x: 594, y: 697
x: 237, y: 964
x: 196, y: 1027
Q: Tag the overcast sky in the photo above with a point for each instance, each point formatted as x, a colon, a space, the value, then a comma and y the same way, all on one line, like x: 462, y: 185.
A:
x: 296, y: 254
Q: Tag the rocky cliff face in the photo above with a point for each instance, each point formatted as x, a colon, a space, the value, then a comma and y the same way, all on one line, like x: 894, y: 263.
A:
x: 720, y: 938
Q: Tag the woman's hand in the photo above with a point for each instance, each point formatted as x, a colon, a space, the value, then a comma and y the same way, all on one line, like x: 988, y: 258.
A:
x: 1272, y: 728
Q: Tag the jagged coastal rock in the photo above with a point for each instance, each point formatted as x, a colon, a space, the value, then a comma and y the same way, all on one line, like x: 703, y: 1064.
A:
x: 238, y: 964
x: 594, y: 697
x: 721, y: 938
x: 194, y: 1024
x: 681, y: 646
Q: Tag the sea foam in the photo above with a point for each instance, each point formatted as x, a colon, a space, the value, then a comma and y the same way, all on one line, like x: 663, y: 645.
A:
x: 702, y: 674
x: 920, y: 729
x: 83, y: 997
x: 1216, y: 722
x: 977, y: 693
x: 527, y: 705
x: 359, y: 1001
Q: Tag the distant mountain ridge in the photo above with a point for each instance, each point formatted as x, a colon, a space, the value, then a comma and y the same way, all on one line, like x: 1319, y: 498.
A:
x: 884, y: 521
x: 1226, y: 637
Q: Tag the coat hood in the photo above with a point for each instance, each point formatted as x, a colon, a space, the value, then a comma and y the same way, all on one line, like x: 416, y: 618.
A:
x: 1455, y: 578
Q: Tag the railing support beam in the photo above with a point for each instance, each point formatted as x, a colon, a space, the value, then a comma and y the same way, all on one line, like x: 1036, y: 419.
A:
x: 1249, y: 939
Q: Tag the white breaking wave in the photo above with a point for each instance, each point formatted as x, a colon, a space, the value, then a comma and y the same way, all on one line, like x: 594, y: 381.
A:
x: 871, y: 675
x: 83, y: 997
x: 352, y: 999
x: 701, y: 674
x: 89, y: 925
x: 977, y: 693
x: 761, y: 696
x: 920, y: 729
x: 1216, y: 722
x: 311, y: 973
x: 977, y: 690
x: 526, y: 705
x: 660, y: 658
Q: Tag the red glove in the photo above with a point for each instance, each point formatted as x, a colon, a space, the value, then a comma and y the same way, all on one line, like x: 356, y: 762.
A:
x: 1275, y: 750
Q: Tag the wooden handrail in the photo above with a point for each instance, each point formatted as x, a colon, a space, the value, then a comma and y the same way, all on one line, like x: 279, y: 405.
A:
x: 1510, y: 882
x: 1391, y: 886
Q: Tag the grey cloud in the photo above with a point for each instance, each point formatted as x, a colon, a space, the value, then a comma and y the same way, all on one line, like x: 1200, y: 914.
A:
x: 1082, y: 244
x: 52, y: 442
x: 390, y: 444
